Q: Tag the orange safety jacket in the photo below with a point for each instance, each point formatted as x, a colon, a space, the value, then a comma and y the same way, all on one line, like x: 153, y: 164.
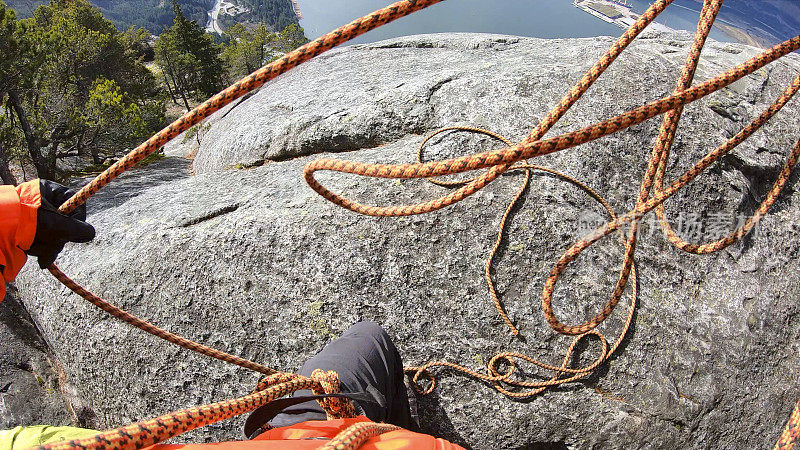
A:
x: 313, y: 434
x: 18, y: 206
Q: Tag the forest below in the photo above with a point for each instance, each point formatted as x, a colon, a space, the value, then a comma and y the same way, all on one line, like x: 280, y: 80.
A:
x: 155, y: 15
x: 119, y: 88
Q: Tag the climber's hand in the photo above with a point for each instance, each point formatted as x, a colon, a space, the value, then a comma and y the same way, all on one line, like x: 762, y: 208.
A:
x: 54, y: 229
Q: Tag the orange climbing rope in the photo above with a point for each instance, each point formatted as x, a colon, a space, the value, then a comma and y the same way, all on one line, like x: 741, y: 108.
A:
x: 791, y: 434
x: 652, y: 195
x: 492, y: 374
x: 502, y: 160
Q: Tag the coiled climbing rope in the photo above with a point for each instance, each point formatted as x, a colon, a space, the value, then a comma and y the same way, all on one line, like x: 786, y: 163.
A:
x: 651, y: 196
x: 493, y: 374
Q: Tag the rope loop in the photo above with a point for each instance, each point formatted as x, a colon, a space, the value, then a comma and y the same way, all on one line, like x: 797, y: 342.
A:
x: 335, y: 407
x: 416, y: 373
x: 276, y: 378
x: 321, y: 382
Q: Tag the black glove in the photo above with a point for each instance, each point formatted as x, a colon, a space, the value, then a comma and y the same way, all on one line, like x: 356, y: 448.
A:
x: 54, y: 229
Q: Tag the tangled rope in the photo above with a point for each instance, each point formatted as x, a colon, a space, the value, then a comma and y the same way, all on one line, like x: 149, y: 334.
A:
x: 652, y: 195
x: 493, y: 374
x: 500, y: 161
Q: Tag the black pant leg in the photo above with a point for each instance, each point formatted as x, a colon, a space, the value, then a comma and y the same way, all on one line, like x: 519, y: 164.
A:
x: 364, y: 357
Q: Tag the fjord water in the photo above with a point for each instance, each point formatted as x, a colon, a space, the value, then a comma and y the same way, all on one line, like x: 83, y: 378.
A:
x: 683, y: 15
x: 536, y: 18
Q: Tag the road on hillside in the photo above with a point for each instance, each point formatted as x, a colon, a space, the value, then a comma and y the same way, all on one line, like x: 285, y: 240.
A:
x: 212, y: 26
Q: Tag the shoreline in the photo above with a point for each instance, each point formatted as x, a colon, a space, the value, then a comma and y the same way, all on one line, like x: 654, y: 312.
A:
x: 297, y: 12
x: 742, y: 36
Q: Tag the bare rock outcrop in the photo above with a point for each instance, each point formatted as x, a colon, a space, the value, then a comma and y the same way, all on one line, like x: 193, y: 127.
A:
x: 245, y: 257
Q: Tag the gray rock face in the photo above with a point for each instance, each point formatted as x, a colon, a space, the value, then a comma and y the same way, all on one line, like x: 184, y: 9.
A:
x: 254, y: 262
x: 33, y: 387
x: 28, y: 385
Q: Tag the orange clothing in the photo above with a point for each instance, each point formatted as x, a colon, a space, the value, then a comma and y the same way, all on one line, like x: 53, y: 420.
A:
x: 18, y: 207
x: 305, y: 435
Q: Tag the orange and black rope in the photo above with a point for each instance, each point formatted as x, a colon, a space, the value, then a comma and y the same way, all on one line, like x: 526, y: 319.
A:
x: 503, y: 381
x: 791, y: 434
x: 513, y: 157
x: 153, y: 431
x: 356, y: 435
x: 156, y: 430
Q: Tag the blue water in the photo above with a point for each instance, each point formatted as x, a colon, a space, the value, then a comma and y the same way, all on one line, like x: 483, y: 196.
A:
x: 535, y: 18
x: 680, y: 16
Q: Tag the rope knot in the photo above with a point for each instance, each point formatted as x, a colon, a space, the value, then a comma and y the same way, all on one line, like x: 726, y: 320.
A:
x: 321, y: 382
x: 328, y: 383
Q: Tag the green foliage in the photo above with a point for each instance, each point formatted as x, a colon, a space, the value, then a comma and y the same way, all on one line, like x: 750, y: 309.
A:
x: 155, y: 15
x: 189, y: 59
x: 73, y: 85
x: 152, y: 15
x: 137, y: 41
x: 291, y: 37
x: 10, y: 73
x: 194, y: 41
x: 277, y: 14
x: 196, y: 132
x: 112, y: 119
x: 9, y: 48
x: 178, y: 68
x: 248, y: 50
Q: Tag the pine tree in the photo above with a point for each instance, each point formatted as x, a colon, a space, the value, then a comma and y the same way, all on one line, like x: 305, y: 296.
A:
x: 10, y: 73
x: 248, y: 50
x: 71, y: 86
x: 178, y: 67
x: 194, y: 41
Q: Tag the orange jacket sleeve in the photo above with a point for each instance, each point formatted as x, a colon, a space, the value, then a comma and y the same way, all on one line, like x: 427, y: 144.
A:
x: 314, y: 433
x: 18, y: 207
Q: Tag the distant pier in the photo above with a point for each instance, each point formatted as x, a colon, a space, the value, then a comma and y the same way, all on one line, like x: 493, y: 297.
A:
x: 297, y: 10
x: 616, y: 12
